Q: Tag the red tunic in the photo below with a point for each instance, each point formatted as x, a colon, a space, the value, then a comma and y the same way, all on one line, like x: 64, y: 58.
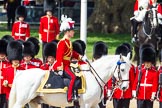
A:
x: 9, y: 74
x: 148, y: 83
x: 20, y: 30
x: 27, y: 65
x: 36, y: 62
x: 136, y: 5
x: 46, y: 66
x: 160, y: 94
x: 49, y: 28
x: 3, y: 64
x: 64, y: 53
x: 118, y: 93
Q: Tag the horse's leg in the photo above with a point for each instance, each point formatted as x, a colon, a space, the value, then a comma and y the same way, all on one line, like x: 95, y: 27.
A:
x: 33, y: 104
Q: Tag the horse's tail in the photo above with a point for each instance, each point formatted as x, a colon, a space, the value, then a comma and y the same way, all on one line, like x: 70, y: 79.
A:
x: 12, y: 96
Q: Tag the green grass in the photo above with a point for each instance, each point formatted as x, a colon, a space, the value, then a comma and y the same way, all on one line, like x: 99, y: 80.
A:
x: 112, y: 40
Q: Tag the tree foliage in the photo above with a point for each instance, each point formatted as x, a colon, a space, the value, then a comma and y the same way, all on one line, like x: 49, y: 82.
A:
x: 111, y: 16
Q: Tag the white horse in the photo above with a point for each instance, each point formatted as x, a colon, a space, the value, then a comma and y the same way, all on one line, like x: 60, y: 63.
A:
x: 27, y: 82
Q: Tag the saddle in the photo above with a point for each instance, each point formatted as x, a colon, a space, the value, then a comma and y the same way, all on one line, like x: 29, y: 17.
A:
x: 53, y: 83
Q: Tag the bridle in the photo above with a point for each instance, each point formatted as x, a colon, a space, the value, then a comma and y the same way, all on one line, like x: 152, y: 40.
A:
x: 120, y: 80
x: 153, y: 26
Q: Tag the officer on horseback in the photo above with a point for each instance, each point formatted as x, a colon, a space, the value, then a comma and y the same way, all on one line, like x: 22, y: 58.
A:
x: 65, y: 52
x: 140, y: 9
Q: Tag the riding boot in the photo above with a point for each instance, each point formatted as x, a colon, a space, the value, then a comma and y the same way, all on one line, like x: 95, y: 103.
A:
x: 2, y: 100
x: 44, y: 106
x: 135, y: 25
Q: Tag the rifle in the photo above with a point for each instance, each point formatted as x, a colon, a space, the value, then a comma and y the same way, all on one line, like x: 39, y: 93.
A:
x: 160, y: 84
x: 139, y: 80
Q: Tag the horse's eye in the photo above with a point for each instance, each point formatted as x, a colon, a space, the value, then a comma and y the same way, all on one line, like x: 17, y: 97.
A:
x: 122, y: 70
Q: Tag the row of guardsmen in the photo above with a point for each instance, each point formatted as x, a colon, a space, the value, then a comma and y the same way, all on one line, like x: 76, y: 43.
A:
x: 145, y: 80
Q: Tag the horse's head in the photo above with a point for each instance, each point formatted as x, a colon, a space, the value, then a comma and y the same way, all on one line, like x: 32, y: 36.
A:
x: 151, y: 19
x: 121, y: 73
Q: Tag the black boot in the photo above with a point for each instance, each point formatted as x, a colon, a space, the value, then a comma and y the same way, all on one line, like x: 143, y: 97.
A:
x: 135, y: 25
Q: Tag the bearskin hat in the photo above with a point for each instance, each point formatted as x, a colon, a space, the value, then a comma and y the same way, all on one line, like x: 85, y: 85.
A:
x: 99, y: 49
x: 129, y: 47
x: 14, y: 50
x: 28, y: 49
x: 35, y: 41
x: 66, y: 24
x: 3, y: 46
x: 122, y: 49
x: 21, y: 11
x: 8, y: 38
x: 79, y: 46
x: 147, y: 53
x: 50, y: 49
x: 49, y: 5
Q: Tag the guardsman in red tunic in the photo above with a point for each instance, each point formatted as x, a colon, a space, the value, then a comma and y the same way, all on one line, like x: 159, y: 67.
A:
x: 121, y: 98
x: 65, y: 52
x: 28, y: 53
x: 146, y: 81
x: 35, y: 61
x: 14, y: 53
x: 3, y: 64
x: 21, y: 29
x: 101, y: 49
x: 140, y: 8
x: 50, y: 55
x: 49, y: 25
x: 159, y: 92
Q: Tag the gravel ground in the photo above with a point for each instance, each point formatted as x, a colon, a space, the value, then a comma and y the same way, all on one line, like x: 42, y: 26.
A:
x: 132, y: 104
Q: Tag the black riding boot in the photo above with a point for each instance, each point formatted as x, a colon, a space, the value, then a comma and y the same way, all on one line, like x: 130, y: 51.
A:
x: 2, y: 100
x: 135, y: 25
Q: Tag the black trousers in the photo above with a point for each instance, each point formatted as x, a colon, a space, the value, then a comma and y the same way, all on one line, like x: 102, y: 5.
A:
x: 121, y: 103
x: 160, y: 104
x: 144, y: 103
x: 3, y: 101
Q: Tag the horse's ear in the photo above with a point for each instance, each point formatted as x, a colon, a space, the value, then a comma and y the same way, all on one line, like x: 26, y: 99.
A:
x: 129, y: 55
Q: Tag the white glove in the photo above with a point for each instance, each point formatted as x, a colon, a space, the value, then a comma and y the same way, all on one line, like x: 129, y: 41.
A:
x: 134, y: 94
x: 84, y: 58
x: 153, y: 96
x: 60, y: 73
x: 5, y: 83
x: 108, y: 93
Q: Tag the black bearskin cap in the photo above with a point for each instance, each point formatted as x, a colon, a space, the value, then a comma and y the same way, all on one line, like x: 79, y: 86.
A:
x: 35, y: 41
x: 21, y: 11
x: 50, y: 49
x: 28, y: 49
x: 130, y: 48
x: 122, y: 49
x: 147, y: 53
x: 8, y: 38
x: 99, y: 49
x: 14, y: 50
x: 3, y: 47
x: 49, y: 5
x: 79, y: 46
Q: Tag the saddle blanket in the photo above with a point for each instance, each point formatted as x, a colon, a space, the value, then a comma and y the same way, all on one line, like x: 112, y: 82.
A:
x: 53, y: 83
